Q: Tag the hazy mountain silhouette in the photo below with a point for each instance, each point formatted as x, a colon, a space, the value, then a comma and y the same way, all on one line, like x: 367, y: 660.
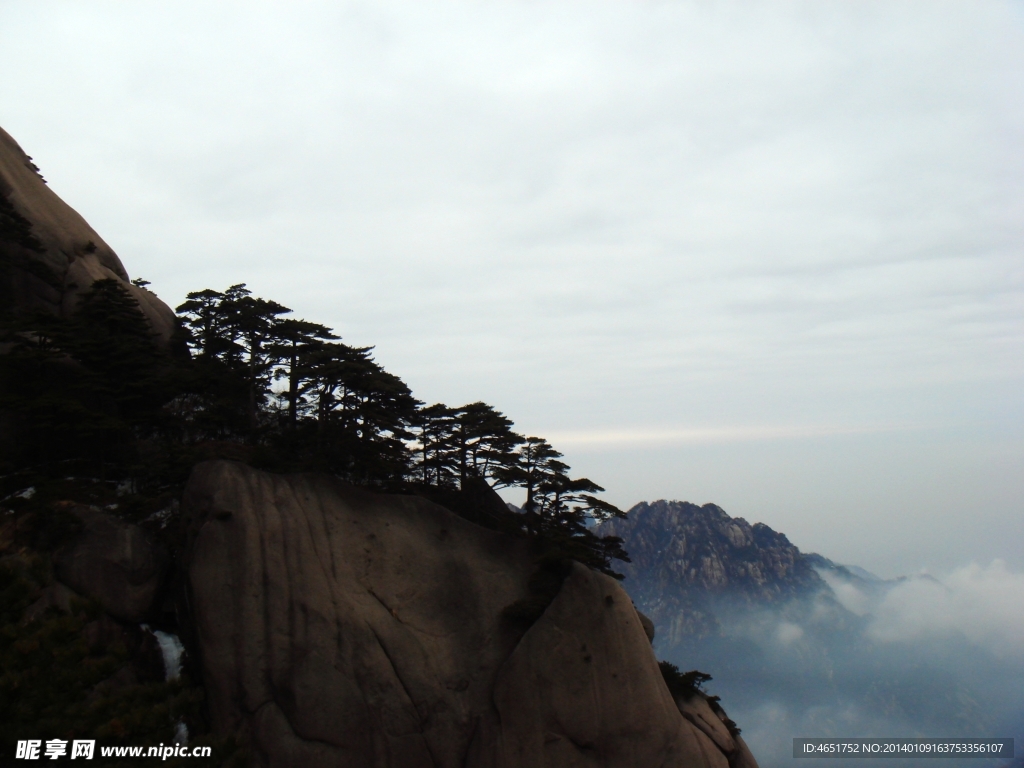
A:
x: 798, y: 645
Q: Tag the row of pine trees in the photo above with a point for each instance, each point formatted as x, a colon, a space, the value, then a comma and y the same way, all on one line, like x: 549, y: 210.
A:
x: 244, y: 378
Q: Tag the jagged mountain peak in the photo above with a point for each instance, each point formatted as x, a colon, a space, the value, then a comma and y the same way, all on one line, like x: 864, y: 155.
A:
x: 702, y: 546
x: 684, y: 555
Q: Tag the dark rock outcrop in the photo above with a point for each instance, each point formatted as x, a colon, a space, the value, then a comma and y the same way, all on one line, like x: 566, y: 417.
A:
x: 581, y: 688
x: 709, y: 718
x: 49, y: 255
x: 114, y: 562
x: 339, y: 627
x: 647, y: 624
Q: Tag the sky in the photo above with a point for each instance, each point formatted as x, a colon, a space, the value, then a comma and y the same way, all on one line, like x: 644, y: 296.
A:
x: 767, y: 255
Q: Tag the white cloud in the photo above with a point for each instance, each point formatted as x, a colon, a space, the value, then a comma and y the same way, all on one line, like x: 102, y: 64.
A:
x: 851, y: 598
x: 787, y: 632
x: 985, y: 604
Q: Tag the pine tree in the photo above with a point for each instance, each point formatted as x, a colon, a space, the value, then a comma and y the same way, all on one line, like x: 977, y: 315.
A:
x: 529, y: 468
x: 558, y: 509
x: 362, y: 412
x: 253, y: 323
x: 484, y: 441
x: 90, y: 385
x: 434, y: 429
x: 292, y: 339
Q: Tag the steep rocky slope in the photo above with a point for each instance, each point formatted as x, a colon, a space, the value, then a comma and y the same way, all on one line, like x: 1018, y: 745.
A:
x: 339, y: 627
x: 49, y: 255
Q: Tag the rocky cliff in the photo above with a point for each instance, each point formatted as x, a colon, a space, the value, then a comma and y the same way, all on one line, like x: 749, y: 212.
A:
x: 339, y: 627
x: 325, y: 625
x: 686, y: 557
x: 49, y: 255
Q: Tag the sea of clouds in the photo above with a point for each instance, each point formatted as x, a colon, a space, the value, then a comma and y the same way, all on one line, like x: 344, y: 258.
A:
x: 983, y: 604
x: 937, y: 656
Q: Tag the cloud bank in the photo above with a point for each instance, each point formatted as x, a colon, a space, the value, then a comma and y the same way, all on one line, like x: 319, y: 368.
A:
x: 984, y: 604
x: 921, y: 656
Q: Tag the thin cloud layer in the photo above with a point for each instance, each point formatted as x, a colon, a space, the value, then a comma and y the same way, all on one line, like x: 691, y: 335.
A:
x: 600, y: 439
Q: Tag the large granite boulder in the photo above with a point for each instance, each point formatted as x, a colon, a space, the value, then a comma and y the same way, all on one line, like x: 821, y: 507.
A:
x: 49, y: 255
x: 582, y: 688
x: 338, y: 627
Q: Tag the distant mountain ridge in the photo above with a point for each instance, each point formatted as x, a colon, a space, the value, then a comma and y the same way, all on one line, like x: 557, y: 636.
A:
x: 685, y: 556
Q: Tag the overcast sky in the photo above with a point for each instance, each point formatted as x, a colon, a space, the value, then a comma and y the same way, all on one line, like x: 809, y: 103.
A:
x: 766, y: 255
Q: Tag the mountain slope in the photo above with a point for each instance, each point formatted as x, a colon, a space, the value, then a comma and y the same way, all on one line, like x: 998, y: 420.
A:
x: 49, y: 255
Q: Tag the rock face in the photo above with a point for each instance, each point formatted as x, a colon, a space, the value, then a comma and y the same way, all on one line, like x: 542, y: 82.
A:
x: 685, y: 556
x: 710, y: 720
x: 49, y: 255
x: 581, y: 689
x: 338, y: 627
x: 115, y: 563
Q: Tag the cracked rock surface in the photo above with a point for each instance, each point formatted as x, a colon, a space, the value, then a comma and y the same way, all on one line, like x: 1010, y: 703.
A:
x: 338, y: 627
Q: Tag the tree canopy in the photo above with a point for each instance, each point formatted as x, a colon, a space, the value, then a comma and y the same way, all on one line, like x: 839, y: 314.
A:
x: 286, y: 394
